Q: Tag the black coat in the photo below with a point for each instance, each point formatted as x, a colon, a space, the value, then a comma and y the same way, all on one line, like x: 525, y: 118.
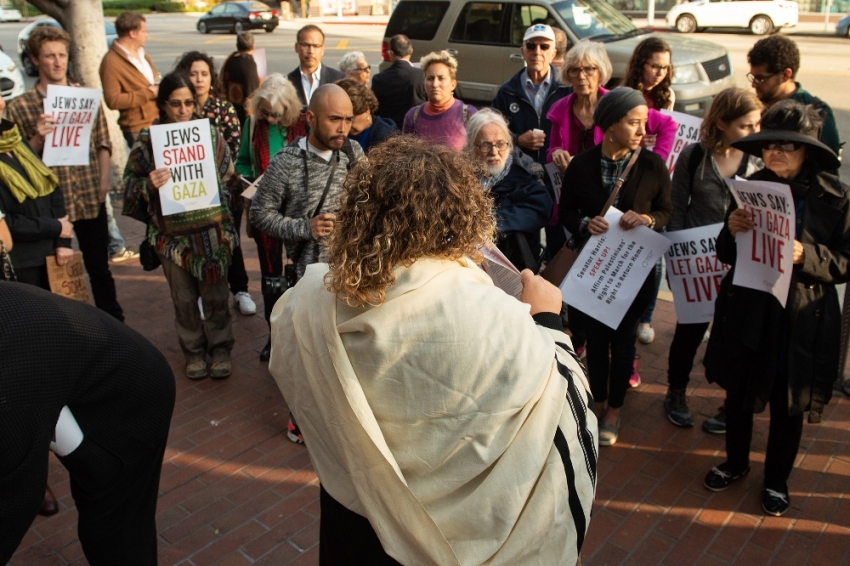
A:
x: 34, y: 223
x: 56, y: 352
x: 326, y: 76
x: 398, y: 89
x: 754, y: 337
x: 646, y: 190
x: 523, y: 206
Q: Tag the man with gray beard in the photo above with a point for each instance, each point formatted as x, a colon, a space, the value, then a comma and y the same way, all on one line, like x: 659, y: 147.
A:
x: 522, y: 203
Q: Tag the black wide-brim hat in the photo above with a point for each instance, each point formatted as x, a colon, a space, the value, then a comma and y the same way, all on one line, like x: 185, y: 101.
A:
x: 819, y: 153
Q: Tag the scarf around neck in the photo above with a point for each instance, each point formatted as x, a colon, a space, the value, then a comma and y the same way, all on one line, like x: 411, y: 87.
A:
x: 41, y: 180
x: 436, y: 109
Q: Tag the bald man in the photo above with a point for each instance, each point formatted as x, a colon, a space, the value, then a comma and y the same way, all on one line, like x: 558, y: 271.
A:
x: 300, y: 190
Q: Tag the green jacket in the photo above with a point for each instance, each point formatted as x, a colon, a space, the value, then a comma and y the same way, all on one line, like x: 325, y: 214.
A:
x: 829, y: 132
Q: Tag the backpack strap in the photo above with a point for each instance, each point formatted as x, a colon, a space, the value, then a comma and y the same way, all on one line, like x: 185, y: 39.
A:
x: 348, y: 150
x: 415, y: 115
x: 465, y: 112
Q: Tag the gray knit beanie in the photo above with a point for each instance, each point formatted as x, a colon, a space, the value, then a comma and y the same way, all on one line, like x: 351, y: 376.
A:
x: 615, y: 104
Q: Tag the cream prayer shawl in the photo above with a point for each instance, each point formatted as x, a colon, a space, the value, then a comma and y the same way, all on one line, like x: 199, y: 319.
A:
x: 445, y: 416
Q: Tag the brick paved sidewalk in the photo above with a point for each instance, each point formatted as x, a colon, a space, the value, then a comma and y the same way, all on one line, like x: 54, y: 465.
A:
x: 235, y: 491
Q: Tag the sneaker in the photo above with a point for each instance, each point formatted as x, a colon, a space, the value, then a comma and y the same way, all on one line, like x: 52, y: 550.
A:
x: 775, y: 503
x: 609, y: 433
x: 196, y: 368
x: 293, y: 432
x: 720, y: 477
x: 243, y: 300
x: 124, y: 255
x: 634, y: 380
x: 717, y: 423
x: 201, y: 308
x: 676, y: 405
x: 645, y: 333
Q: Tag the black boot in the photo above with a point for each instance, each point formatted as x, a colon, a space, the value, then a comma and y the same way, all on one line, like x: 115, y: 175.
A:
x: 266, y: 352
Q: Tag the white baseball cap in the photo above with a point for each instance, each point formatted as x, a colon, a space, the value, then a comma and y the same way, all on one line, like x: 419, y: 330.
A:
x: 539, y: 30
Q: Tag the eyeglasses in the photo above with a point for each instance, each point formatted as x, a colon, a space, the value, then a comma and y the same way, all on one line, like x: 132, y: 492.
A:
x: 176, y: 104
x: 313, y: 46
x: 576, y: 71
x: 362, y: 69
x: 758, y: 80
x: 782, y: 145
x: 487, y: 147
x: 533, y: 46
x: 660, y: 68
x: 266, y: 114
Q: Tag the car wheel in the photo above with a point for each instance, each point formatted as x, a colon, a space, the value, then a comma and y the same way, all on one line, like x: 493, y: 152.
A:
x: 237, y: 27
x: 29, y: 66
x: 761, y: 25
x: 686, y: 23
x: 269, y: 30
x: 202, y: 27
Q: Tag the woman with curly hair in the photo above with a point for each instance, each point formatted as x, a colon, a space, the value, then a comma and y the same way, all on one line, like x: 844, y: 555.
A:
x: 650, y: 70
x: 425, y: 393
x: 275, y: 122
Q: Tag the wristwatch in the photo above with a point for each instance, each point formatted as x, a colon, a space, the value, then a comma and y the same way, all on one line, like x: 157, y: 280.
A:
x: 651, y: 225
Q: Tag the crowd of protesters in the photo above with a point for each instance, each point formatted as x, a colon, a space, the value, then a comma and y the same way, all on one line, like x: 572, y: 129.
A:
x: 395, y: 349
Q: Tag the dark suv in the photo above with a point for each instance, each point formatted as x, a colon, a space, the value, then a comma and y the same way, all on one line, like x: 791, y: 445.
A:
x: 485, y: 36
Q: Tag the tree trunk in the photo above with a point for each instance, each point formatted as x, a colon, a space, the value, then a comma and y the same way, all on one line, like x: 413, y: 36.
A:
x: 83, y: 20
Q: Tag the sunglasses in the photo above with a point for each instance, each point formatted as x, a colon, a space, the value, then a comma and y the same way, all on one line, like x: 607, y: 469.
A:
x: 266, y: 114
x: 782, y: 145
x: 178, y: 103
x: 532, y: 46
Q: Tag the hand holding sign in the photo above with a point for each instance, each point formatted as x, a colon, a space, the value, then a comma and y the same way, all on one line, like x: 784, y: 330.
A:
x: 539, y: 293
x: 67, y: 131
x: 160, y: 176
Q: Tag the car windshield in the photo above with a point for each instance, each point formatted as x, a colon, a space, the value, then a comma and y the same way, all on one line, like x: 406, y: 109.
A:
x: 595, y: 19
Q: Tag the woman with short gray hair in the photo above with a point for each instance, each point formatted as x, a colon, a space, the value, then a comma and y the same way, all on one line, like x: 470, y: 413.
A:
x: 355, y: 66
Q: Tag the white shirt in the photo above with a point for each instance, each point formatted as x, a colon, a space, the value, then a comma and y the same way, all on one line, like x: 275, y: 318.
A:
x: 140, y: 62
x: 309, y: 89
x: 307, y: 146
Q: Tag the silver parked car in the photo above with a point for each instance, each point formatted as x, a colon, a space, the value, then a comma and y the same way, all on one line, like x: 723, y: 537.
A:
x: 485, y: 36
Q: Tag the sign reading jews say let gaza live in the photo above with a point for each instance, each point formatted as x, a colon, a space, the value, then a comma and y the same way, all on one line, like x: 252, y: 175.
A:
x: 186, y: 149
x: 687, y: 133
x: 74, y: 110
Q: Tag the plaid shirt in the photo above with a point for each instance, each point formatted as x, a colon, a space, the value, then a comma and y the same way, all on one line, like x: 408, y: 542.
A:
x: 80, y: 183
x: 610, y: 173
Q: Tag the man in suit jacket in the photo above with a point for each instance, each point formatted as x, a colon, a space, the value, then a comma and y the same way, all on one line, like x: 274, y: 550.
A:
x: 100, y: 396
x: 311, y: 74
x: 401, y: 86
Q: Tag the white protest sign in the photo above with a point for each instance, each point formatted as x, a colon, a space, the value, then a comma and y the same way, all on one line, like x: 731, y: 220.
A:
x: 765, y: 253
x: 74, y: 111
x: 556, y: 178
x: 686, y: 134
x: 259, y: 56
x: 694, y: 272
x: 611, y: 269
x: 186, y: 149
x: 504, y: 274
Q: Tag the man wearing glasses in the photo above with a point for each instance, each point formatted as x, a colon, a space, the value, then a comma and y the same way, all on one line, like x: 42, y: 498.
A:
x: 525, y: 100
x: 311, y: 74
x: 774, y: 62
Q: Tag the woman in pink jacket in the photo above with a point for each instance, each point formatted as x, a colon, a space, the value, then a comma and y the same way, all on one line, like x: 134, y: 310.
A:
x: 586, y: 68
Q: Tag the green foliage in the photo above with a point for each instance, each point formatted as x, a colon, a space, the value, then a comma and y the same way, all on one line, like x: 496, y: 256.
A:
x: 115, y: 7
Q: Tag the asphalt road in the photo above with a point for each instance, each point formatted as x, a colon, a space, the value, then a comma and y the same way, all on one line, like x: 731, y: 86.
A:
x: 825, y: 58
